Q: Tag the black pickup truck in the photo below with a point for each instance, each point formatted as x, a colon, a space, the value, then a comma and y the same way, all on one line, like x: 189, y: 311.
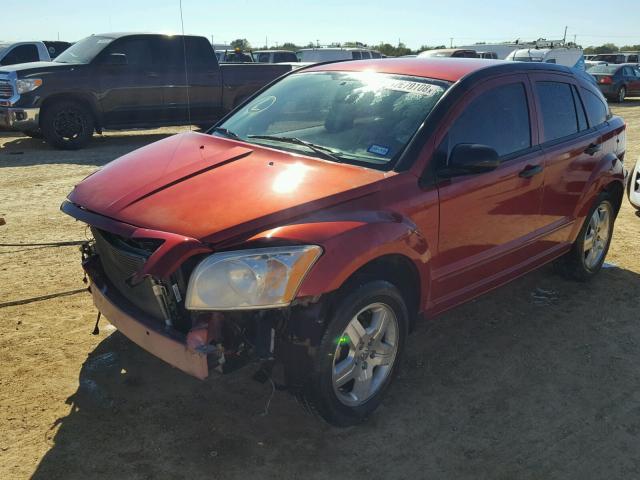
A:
x: 122, y: 81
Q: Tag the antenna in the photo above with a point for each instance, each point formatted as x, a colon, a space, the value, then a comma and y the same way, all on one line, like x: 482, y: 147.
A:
x: 186, y: 71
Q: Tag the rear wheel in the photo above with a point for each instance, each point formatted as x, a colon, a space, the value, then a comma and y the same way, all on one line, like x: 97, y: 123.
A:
x: 586, y: 257
x: 67, y: 125
x: 359, y: 354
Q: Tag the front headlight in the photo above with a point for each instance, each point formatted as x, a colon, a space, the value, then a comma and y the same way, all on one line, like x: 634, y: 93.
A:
x: 247, y: 279
x: 25, y: 85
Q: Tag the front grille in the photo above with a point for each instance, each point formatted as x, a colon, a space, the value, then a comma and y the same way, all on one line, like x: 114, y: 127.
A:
x: 6, y: 90
x: 120, y: 260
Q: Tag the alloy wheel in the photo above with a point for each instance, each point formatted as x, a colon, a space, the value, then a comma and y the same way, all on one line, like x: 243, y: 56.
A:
x: 596, y: 237
x: 365, y: 354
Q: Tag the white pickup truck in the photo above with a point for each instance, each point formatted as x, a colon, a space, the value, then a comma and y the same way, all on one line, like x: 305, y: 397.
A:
x: 24, y: 52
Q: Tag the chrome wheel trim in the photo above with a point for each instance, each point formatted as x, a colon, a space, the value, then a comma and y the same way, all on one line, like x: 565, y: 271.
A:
x: 365, y: 354
x: 596, y: 238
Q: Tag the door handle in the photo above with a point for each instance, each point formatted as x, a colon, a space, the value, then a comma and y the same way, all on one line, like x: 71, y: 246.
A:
x: 530, y: 171
x: 593, y: 149
x: 152, y: 74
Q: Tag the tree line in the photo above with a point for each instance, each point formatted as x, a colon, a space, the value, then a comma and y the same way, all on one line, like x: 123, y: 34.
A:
x: 401, y: 49
x: 384, y: 48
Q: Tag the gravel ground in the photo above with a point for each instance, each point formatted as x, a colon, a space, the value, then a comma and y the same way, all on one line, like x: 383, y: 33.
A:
x: 538, y: 379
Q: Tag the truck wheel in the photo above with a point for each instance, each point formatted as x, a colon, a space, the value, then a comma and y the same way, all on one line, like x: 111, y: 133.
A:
x: 622, y: 93
x: 359, y: 354
x: 587, y: 255
x: 67, y: 125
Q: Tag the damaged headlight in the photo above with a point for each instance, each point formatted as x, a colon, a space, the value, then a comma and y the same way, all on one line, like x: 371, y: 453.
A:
x: 246, y: 279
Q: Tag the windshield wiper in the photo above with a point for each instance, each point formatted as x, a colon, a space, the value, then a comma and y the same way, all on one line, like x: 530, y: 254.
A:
x: 226, y: 132
x: 325, y: 152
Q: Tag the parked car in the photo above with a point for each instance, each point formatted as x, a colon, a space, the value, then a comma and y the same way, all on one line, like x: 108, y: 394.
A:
x: 22, y: 52
x: 122, y: 81
x: 274, y: 56
x: 633, y: 187
x: 618, y: 58
x: 616, y: 82
x: 326, y: 54
x: 233, y: 56
x: 320, y: 220
x: 450, y: 52
x: 569, y: 57
x: 488, y: 55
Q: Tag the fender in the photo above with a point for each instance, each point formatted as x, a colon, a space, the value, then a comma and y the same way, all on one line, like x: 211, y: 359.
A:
x: 351, y: 243
x: 610, y: 169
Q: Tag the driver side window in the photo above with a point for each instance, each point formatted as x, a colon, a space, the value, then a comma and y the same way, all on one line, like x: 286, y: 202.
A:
x: 137, y: 51
x: 498, y: 118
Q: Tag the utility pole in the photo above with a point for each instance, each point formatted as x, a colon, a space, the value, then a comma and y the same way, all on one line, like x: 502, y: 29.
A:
x: 318, y: 43
x: 575, y: 41
x: 450, y: 42
x: 564, y: 39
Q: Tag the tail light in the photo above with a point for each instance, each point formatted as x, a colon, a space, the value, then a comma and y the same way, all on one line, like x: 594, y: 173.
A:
x: 606, y: 80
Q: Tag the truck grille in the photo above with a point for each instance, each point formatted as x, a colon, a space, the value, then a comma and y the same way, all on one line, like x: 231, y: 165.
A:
x: 120, y: 260
x: 6, y: 90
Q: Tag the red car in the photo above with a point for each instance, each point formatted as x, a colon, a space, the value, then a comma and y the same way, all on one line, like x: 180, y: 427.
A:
x: 319, y: 220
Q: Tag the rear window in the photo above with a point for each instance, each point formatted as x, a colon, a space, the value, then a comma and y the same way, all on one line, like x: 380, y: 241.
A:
x: 597, y: 110
x: 558, y: 110
x: 21, y: 54
x: 606, y: 69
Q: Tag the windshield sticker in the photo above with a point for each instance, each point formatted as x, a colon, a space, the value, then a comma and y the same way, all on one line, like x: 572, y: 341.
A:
x: 413, y: 87
x: 263, y: 104
x: 378, y: 150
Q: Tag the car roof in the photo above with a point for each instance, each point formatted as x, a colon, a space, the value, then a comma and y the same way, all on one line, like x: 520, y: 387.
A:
x: 115, y: 35
x: 440, y: 68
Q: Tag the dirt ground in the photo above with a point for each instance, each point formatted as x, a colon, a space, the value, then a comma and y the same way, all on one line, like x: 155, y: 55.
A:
x: 538, y: 379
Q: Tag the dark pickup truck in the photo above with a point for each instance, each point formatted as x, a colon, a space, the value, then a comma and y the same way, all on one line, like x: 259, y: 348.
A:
x: 121, y: 81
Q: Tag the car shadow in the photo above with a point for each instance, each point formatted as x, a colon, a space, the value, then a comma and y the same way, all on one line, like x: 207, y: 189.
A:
x: 18, y: 151
x: 535, y: 380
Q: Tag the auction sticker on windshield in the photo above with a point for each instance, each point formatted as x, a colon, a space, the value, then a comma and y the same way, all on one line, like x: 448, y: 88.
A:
x: 420, y: 88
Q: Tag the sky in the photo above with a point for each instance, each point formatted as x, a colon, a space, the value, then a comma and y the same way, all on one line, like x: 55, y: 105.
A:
x: 414, y: 22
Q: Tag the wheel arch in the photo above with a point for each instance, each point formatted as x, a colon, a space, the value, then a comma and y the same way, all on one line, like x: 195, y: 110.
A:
x: 78, y: 97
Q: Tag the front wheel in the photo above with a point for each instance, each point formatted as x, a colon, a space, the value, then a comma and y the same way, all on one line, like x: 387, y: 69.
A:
x: 622, y: 94
x: 67, y: 125
x: 587, y: 255
x: 359, y: 354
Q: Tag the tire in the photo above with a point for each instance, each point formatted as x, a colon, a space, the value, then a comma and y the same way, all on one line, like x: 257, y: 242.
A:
x: 328, y: 393
x: 67, y: 125
x: 582, y: 263
x: 622, y: 93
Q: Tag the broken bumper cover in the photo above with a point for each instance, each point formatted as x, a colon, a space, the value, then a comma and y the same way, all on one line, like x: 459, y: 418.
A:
x: 166, y: 344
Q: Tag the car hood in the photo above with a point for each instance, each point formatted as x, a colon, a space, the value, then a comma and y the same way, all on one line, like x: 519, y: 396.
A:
x: 32, y: 67
x: 212, y: 189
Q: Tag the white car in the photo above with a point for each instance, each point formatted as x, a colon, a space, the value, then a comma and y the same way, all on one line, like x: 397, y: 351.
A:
x: 569, y: 57
x: 633, y: 187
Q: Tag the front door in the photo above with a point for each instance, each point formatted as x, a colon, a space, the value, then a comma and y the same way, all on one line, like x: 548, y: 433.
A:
x: 132, y: 92
x: 488, y: 221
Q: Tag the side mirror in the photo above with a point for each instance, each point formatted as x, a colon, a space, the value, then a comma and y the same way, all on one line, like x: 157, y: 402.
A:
x: 469, y: 158
x: 115, y: 59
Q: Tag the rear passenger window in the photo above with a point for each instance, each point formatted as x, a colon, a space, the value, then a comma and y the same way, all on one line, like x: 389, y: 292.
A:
x: 498, y: 118
x: 558, y: 110
x: 597, y: 110
x: 356, y: 55
x: 21, y: 54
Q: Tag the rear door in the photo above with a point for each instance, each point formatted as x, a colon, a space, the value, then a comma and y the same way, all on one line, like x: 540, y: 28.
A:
x: 132, y: 93
x: 572, y: 146
x: 489, y: 221
x: 193, y: 91
x: 634, y: 81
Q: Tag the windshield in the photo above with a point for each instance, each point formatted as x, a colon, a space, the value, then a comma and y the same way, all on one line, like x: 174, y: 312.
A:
x: 363, y: 118
x: 84, y: 51
x: 604, y: 69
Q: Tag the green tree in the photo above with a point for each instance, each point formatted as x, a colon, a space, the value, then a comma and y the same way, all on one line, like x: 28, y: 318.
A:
x: 606, y: 48
x: 241, y: 43
x: 289, y: 46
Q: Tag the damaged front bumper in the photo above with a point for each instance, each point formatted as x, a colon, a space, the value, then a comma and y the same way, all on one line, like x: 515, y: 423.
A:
x: 189, y: 353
